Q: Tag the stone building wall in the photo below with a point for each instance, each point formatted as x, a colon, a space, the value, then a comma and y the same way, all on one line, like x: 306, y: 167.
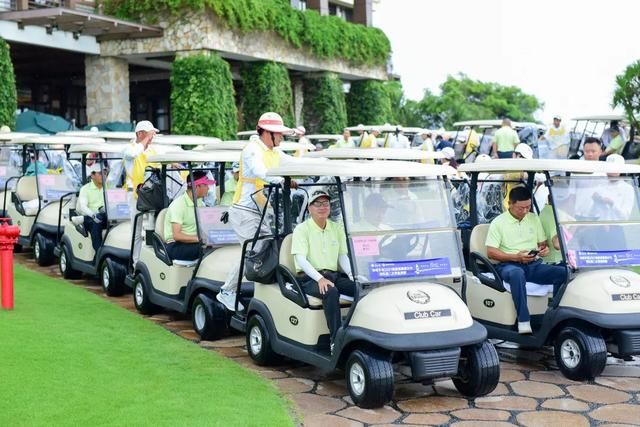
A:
x: 107, y: 85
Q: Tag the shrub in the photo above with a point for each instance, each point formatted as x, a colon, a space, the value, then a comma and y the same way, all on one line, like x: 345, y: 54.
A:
x: 368, y: 103
x: 324, y: 104
x: 266, y: 87
x: 8, y: 97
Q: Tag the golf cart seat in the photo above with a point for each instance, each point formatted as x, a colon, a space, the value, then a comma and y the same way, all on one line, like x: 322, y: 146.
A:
x: 288, y: 281
x: 26, y: 192
x: 160, y: 247
x: 483, y: 268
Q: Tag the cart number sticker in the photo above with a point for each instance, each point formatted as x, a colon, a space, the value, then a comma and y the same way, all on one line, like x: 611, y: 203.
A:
x: 415, y: 268
x: 427, y: 314
x: 626, y: 297
x: 608, y: 258
x: 365, y: 245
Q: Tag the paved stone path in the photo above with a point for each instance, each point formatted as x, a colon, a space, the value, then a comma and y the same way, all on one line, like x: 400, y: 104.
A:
x: 532, y: 392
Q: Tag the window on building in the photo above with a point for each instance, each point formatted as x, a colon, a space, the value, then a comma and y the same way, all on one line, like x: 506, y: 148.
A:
x: 341, y: 12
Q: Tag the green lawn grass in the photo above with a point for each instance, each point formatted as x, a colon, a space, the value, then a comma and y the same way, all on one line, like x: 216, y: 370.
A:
x: 69, y: 357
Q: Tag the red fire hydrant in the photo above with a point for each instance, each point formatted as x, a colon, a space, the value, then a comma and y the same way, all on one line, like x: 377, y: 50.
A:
x: 8, y: 237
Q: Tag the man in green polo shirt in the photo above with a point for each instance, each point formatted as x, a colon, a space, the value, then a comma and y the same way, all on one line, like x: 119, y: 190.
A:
x: 515, y: 239
x: 505, y: 141
x: 616, y: 144
x: 180, y: 231
x: 319, y: 246
x: 91, y: 205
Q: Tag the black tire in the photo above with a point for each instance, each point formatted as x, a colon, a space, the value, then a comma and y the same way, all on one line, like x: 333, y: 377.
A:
x: 580, y: 352
x: 208, y: 317
x: 141, y: 298
x: 259, y: 342
x: 111, y: 276
x: 369, y: 378
x: 64, y: 264
x: 478, y: 370
x: 17, y: 248
x: 43, y: 250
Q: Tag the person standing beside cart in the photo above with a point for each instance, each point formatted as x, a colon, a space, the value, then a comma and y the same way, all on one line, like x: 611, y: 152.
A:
x: 505, y: 141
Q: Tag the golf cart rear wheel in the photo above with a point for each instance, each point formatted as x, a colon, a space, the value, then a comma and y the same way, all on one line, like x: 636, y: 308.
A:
x: 64, y: 263
x: 259, y: 342
x: 580, y: 352
x: 140, y: 298
x: 478, y: 370
x: 208, y: 317
x: 369, y: 378
x: 43, y: 250
x: 112, y: 277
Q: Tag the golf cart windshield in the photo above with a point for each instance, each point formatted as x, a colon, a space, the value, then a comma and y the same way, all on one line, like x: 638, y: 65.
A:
x: 52, y: 187
x: 599, y: 220
x: 212, y: 230
x: 401, y: 230
x: 10, y: 166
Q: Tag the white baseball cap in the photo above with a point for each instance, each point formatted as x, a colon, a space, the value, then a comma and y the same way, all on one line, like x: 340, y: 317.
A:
x: 482, y: 158
x: 448, y: 152
x: 524, y: 150
x: 93, y: 168
x: 145, y: 126
x: 615, y: 158
x: 317, y: 194
x: 235, y: 167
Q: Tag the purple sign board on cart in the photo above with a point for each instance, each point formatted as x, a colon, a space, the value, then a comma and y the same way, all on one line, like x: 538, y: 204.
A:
x: 390, y: 270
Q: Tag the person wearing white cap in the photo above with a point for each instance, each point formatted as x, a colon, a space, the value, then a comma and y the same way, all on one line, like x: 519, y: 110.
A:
x: 426, y: 143
x: 397, y: 139
x: 346, y: 141
x: 91, y: 205
x: 248, y: 202
x: 362, y: 134
x: 230, y: 185
x: 557, y: 139
x: 613, y: 199
x: 134, y: 158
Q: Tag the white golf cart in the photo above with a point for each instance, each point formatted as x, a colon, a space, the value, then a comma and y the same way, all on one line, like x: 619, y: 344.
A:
x: 37, y: 204
x: 596, y: 126
x: 597, y: 310
x: 402, y: 310
x: 189, y: 286
x: 75, y: 251
x: 10, y: 164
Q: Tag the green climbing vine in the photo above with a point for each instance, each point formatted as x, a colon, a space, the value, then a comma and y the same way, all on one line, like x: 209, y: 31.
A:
x: 324, y: 105
x: 266, y: 87
x: 8, y: 97
x: 368, y: 103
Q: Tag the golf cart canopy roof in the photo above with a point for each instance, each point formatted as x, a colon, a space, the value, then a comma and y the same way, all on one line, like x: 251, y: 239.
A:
x: 247, y: 133
x: 323, y: 136
x: 551, y: 165
x: 10, y: 136
x: 58, y: 140
x: 97, y: 148
x: 494, y: 123
x: 602, y: 118
x: 124, y: 136
x: 185, y: 140
x: 84, y: 133
x: 382, y: 128
x: 240, y: 144
x: 376, y: 153
x: 212, y: 156
x: 346, y: 168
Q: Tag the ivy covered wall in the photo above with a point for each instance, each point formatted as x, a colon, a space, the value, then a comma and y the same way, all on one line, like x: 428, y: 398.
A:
x: 368, y: 103
x: 266, y: 87
x: 324, y: 106
x: 8, y: 97
x: 202, y: 97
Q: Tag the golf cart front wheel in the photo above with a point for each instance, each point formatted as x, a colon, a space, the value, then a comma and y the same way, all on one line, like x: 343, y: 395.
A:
x: 259, y: 342
x: 64, y: 264
x: 478, y: 370
x: 140, y: 298
x: 369, y: 378
x: 43, y: 250
x: 112, y: 277
x: 580, y: 352
x: 208, y: 317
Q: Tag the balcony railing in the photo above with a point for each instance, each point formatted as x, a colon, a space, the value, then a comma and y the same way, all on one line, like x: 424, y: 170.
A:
x: 88, y: 6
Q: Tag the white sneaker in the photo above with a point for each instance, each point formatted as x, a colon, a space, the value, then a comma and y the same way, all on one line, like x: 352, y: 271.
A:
x: 524, y: 328
x: 228, y: 299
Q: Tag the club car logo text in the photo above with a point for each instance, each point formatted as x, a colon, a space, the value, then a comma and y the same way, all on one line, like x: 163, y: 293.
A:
x: 427, y: 314
x: 626, y: 297
x: 419, y: 297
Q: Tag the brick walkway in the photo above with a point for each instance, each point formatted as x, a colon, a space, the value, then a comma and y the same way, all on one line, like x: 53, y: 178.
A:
x: 532, y: 392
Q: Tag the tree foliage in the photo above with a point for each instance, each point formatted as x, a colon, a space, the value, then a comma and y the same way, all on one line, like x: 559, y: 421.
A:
x: 325, y: 36
x: 324, y: 105
x: 8, y: 97
x: 462, y: 98
x: 266, y: 87
x: 368, y: 102
x: 202, y: 97
x: 627, y: 92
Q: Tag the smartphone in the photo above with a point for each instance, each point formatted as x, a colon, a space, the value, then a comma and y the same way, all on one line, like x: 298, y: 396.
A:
x: 534, y: 252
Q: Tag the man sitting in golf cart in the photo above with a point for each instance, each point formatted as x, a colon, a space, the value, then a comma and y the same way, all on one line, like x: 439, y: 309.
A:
x: 180, y: 228
x: 91, y: 205
x: 319, y: 246
x: 515, y: 239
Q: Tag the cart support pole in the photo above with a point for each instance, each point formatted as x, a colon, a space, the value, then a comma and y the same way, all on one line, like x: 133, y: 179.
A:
x: 8, y: 237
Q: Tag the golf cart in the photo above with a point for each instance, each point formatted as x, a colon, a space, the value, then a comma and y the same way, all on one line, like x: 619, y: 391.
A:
x: 595, y: 126
x: 10, y: 163
x: 37, y: 205
x: 75, y: 251
x: 401, y: 311
x: 188, y: 286
x: 597, y: 309
x: 376, y: 154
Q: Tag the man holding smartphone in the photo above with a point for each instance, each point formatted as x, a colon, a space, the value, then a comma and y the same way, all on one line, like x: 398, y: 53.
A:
x: 516, y: 239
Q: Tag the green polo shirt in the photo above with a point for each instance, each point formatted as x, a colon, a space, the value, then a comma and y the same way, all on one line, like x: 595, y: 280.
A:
x: 506, y: 139
x: 549, y: 226
x: 320, y: 247
x: 94, y: 196
x: 616, y: 144
x: 181, y: 212
x: 512, y: 236
x: 229, y: 191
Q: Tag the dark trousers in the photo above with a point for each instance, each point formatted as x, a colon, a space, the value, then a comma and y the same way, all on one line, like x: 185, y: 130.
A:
x: 331, y: 298
x: 95, y: 229
x: 184, y: 251
x: 517, y: 275
x: 505, y: 154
